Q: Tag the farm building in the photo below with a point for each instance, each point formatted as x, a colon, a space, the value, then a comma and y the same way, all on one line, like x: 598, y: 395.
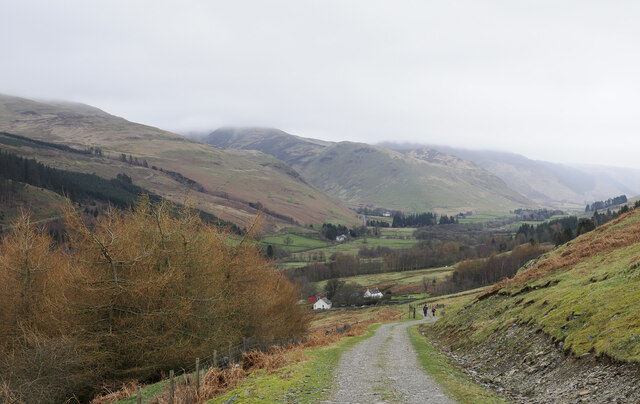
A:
x: 322, y: 304
x: 313, y: 299
x: 373, y: 294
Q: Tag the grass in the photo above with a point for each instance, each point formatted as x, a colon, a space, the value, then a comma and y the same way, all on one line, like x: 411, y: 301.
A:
x: 295, y: 242
x: 396, y: 278
x: 442, y: 368
x: 584, y: 294
x: 483, y: 217
x: 308, y: 381
x: 41, y: 203
x: 148, y: 393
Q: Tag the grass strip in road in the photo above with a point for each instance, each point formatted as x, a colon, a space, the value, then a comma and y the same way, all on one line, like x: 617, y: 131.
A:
x: 307, y: 381
x: 455, y: 382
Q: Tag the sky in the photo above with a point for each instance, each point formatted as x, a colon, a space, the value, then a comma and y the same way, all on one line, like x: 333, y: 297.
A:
x: 552, y: 80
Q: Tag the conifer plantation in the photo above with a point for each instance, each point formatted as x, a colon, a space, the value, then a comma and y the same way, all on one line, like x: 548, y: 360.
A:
x: 128, y: 296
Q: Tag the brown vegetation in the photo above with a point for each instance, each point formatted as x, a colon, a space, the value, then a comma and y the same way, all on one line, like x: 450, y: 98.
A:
x: 127, y: 297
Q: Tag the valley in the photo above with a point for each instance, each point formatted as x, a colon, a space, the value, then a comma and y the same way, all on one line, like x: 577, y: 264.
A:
x: 519, y: 275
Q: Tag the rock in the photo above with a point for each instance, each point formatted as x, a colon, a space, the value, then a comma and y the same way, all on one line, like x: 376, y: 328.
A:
x: 231, y: 400
x: 584, y: 392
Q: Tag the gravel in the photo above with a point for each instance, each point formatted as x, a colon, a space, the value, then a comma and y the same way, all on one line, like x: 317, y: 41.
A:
x: 384, y: 369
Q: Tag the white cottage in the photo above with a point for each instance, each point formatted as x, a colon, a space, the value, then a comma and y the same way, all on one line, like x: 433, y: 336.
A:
x: 322, y: 304
x: 373, y: 294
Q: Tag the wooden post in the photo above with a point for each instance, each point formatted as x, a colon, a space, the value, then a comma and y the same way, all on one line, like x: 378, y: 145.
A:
x: 197, y: 376
x: 172, y: 388
x: 139, y: 400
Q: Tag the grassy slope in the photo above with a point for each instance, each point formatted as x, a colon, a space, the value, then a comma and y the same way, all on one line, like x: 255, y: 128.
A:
x: 585, y: 294
x: 358, y: 173
x: 43, y: 204
x: 245, y: 176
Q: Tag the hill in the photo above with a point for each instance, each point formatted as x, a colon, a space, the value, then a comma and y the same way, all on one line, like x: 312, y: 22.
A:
x: 362, y: 174
x: 231, y: 184
x: 549, y: 184
x: 571, y: 322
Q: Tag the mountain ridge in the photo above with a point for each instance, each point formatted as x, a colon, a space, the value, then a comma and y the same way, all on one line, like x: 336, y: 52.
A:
x: 234, y: 184
x: 552, y: 184
x: 364, y: 174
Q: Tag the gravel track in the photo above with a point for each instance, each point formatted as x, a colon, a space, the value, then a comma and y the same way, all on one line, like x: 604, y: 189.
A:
x: 384, y: 369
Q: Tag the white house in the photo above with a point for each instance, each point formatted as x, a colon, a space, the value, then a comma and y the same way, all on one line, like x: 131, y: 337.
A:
x: 322, y: 304
x: 373, y: 294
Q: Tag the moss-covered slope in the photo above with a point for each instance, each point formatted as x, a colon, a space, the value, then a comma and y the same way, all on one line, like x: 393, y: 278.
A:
x: 585, y: 294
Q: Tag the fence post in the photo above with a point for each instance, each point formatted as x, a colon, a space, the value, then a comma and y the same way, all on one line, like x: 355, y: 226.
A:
x: 172, y: 388
x: 197, y: 376
x: 139, y: 399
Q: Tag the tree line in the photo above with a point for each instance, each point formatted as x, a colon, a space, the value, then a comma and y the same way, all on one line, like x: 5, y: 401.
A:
x: 79, y: 187
x: 421, y: 219
x: 128, y: 296
x: 427, y: 254
x: 600, y: 205
x: 120, y: 191
x: 562, y: 230
x: 475, y: 273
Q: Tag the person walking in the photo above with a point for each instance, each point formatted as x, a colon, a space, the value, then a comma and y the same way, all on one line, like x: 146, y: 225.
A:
x: 433, y: 310
x: 425, y: 310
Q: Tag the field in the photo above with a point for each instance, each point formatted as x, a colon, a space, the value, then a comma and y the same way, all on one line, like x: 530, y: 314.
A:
x: 307, y: 245
x: 397, y: 278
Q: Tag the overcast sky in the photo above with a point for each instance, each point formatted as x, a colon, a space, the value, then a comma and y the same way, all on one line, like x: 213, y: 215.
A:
x: 553, y: 80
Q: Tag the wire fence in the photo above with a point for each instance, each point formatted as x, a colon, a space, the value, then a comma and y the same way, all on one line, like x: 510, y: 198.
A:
x: 224, y: 358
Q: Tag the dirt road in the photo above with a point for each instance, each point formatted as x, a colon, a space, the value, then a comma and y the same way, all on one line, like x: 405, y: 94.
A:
x: 384, y: 369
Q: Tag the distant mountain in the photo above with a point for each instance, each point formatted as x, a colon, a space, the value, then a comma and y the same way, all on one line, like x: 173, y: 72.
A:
x: 550, y: 184
x: 231, y: 184
x: 362, y: 174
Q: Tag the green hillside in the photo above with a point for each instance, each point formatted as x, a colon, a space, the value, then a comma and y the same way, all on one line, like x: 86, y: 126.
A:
x: 357, y: 173
x: 583, y: 295
x: 231, y: 184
